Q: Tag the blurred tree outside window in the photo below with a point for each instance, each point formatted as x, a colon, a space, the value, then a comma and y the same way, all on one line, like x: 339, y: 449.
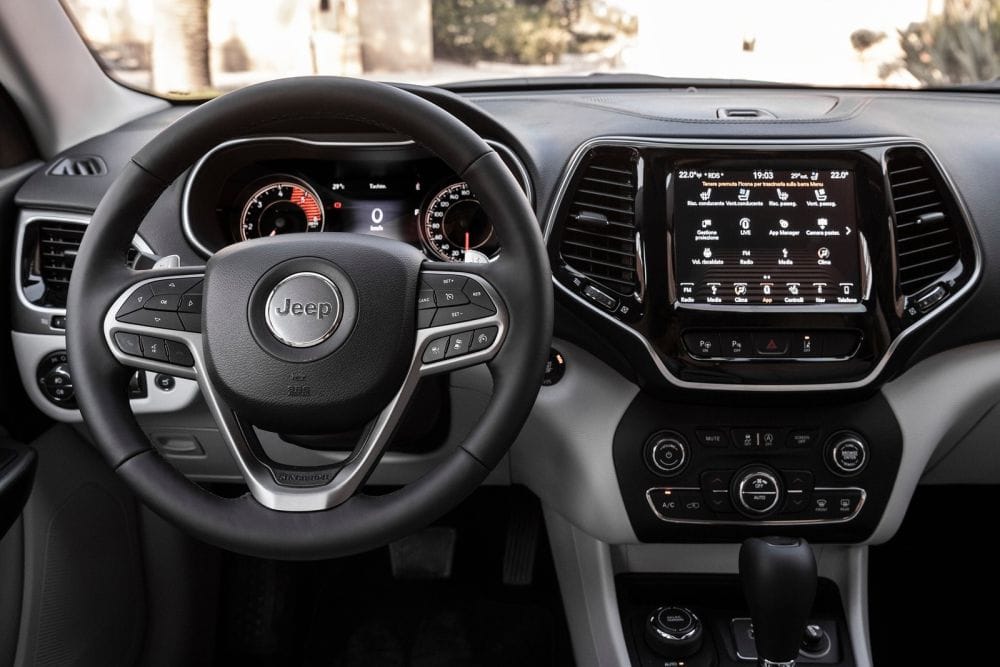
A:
x: 199, y: 48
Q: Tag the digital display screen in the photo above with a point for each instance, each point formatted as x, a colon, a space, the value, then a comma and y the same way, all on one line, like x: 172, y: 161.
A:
x: 765, y: 237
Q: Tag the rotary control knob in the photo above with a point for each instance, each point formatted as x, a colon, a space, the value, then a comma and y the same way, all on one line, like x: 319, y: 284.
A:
x: 757, y: 491
x: 846, y: 454
x: 55, y: 380
x: 674, y: 632
x: 666, y: 453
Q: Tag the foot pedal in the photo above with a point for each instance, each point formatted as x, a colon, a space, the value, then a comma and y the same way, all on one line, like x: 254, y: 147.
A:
x: 428, y: 554
x: 521, y: 548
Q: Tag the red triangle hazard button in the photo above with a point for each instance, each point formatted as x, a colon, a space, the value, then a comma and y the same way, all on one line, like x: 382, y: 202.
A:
x: 771, y: 346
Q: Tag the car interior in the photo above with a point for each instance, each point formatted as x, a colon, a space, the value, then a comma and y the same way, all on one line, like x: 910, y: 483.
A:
x: 548, y: 368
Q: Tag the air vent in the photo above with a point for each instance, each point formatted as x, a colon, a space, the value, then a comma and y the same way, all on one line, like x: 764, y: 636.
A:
x: 927, y: 244
x: 58, y: 243
x: 88, y: 165
x: 599, y: 232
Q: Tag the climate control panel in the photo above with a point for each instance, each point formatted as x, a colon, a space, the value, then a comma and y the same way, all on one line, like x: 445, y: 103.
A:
x: 705, y: 472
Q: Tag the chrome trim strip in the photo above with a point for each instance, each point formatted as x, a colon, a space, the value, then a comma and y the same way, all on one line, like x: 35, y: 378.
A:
x: 789, y: 144
x: 752, y: 522
x: 29, y: 216
x: 188, y: 228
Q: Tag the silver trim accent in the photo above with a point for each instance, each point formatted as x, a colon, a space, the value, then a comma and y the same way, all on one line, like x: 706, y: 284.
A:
x: 792, y: 144
x: 31, y: 216
x: 752, y: 522
x: 847, y: 439
x: 188, y: 229
x: 656, y: 624
x: 349, y: 478
x: 268, y: 313
x: 661, y: 440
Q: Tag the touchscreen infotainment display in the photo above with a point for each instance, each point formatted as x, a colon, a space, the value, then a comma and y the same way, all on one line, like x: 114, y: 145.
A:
x: 763, y: 237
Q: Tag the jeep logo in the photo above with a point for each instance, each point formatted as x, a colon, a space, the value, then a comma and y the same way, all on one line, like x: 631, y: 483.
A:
x: 303, y: 310
x: 317, y: 310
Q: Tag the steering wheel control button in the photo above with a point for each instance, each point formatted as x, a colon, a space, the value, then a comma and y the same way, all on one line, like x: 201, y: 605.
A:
x: 449, y: 297
x: 847, y: 454
x: 175, y: 285
x: 303, y: 310
x: 424, y: 318
x: 672, y: 504
x: 436, y: 350
x: 153, y: 348
x: 757, y: 491
x: 443, y: 281
x: 483, y: 338
x: 666, y: 453
x: 478, y: 296
x: 164, y: 302
x: 189, y: 303
x: 154, y: 318
x: 191, y: 322
x: 459, y: 344
x: 135, y: 301
x: 425, y: 299
x: 456, y: 314
x: 178, y: 353
x: 128, y: 343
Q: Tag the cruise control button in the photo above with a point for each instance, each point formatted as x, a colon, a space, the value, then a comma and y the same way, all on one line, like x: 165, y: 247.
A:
x: 458, y: 314
x: 450, y: 297
x: 128, y: 343
x: 483, y: 338
x: 443, y: 281
x: 459, y: 344
x: 164, y: 302
x: 178, y: 353
x: 425, y: 299
x: 190, y: 303
x: 424, y: 318
x: 175, y: 285
x: 154, y: 318
x: 136, y: 301
x: 478, y: 296
x: 153, y: 348
x: 191, y: 322
x: 436, y: 350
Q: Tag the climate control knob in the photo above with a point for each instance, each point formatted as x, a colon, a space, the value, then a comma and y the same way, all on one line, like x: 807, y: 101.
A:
x: 757, y: 491
x: 846, y: 454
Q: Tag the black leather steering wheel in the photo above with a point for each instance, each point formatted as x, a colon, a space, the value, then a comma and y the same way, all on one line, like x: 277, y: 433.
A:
x: 307, y: 334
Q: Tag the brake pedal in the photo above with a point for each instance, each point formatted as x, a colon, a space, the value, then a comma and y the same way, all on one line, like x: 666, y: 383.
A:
x: 428, y: 554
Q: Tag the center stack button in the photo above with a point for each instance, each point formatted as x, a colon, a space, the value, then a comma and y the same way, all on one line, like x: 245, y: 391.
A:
x: 757, y: 491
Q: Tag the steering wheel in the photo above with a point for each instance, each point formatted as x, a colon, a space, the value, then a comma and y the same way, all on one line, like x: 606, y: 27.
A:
x: 308, y: 334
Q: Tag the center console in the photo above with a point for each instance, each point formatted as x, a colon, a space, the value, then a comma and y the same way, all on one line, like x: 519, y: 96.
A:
x: 778, y: 266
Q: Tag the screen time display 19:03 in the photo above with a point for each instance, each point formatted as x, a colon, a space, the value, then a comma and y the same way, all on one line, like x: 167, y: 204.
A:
x: 765, y: 237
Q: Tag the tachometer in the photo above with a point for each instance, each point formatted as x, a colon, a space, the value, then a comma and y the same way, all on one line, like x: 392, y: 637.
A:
x: 281, y: 207
x: 455, y: 228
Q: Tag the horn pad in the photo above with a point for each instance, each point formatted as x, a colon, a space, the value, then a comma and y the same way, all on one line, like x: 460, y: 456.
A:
x: 310, y: 335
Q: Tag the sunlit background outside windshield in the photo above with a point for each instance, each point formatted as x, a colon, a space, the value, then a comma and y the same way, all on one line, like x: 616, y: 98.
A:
x: 203, y: 47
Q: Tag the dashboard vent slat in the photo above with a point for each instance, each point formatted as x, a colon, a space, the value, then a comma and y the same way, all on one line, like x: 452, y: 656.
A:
x: 606, y: 190
x: 927, y: 243
x: 84, y: 165
x: 58, y: 243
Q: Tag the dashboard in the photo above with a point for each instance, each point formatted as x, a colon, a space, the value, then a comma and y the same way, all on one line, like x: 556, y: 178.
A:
x: 263, y: 187
x: 739, y: 303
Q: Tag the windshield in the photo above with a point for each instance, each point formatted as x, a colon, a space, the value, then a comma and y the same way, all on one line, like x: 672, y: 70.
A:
x: 199, y: 48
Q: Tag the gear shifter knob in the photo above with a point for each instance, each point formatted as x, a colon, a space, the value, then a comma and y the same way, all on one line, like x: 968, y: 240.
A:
x: 779, y: 582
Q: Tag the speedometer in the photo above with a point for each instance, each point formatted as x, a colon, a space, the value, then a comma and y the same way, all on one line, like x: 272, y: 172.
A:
x: 455, y: 228
x: 281, y: 207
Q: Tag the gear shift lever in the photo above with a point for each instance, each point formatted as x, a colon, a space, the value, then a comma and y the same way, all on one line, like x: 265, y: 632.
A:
x: 779, y: 582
